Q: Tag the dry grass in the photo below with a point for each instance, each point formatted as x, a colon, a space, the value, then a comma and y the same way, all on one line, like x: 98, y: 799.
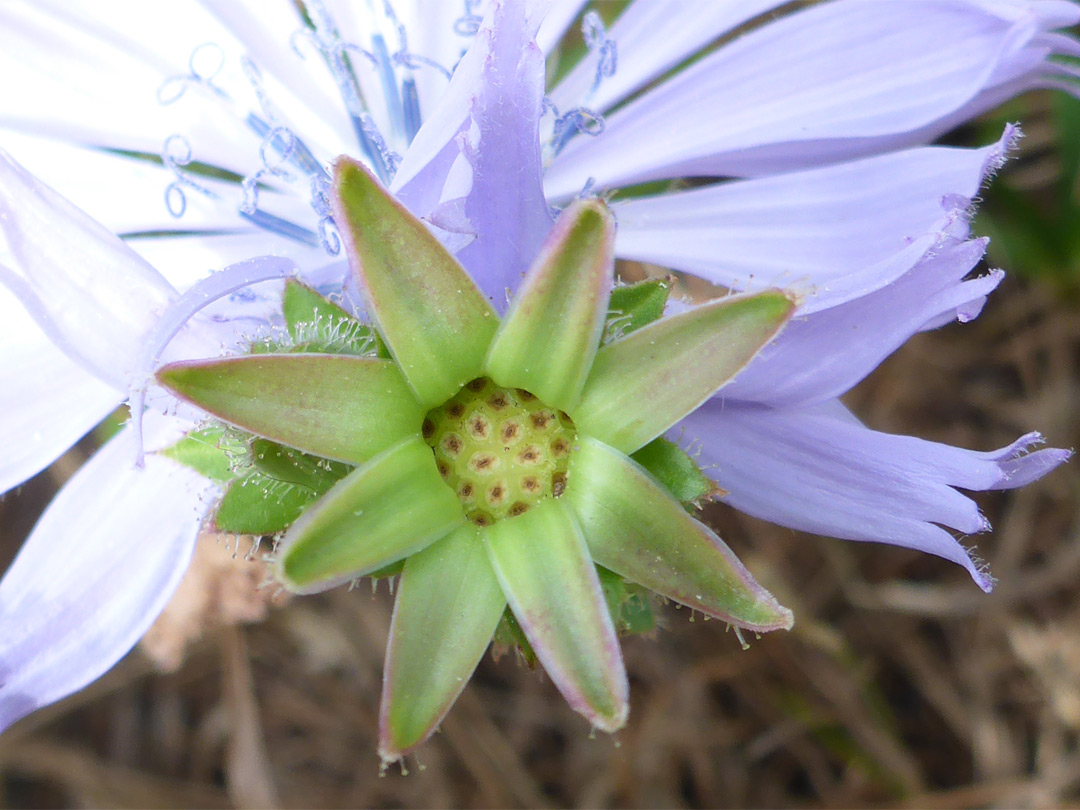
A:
x: 901, y: 686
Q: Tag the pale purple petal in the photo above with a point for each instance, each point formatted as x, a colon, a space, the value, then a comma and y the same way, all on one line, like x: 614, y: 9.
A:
x: 94, y: 574
x: 418, y: 189
x: 825, y: 354
x: 234, y: 283
x: 48, y: 402
x: 816, y: 469
x: 833, y: 82
x: 651, y: 38
x: 452, y: 171
x: 89, y: 288
x: 806, y: 228
x: 1019, y: 467
x: 1030, y: 68
x: 558, y: 17
x: 437, y: 181
x: 215, y: 287
x: 505, y: 205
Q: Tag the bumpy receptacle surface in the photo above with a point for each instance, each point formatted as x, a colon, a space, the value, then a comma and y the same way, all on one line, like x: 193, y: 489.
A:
x: 502, y: 450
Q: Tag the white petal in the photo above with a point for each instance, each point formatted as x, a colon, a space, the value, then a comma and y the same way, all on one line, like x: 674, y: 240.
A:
x: 94, y: 574
x: 48, y: 402
x: 440, y: 127
x: 87, y: 82
x: 435, y: 33
x: 183, y: 260
x: 265, y: 29
x: 124, y: 194
x: 115, y: 190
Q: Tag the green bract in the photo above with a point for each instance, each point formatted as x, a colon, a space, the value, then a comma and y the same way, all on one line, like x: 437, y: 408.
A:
x: 498, y: 466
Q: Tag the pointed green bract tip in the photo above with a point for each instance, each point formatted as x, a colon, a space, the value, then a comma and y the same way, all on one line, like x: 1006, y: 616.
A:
x: 635, y: 528
x: 208, y: 451
x: 176, y: 377
x: 677, y: 471
x: 318, y: 325
x: 548, y: 339
x: 636, y: 305
x: 772, y: 304
x: 448, y: 605
x: 353, y: 180
x: 542, y: 563
x: 614, y: 721
x: 592, y: 215
x: 592, y: 229
x: 434, y: 320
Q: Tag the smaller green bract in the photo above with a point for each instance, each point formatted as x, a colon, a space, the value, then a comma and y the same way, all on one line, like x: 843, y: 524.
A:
x: 513, y: 471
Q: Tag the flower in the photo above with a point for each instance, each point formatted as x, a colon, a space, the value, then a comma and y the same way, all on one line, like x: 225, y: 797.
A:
x: 79, y: 322
x: 492, y: 458
x: 820, y: 112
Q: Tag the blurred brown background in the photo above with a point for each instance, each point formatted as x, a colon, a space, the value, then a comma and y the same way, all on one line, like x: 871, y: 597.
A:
x: 902, y: 684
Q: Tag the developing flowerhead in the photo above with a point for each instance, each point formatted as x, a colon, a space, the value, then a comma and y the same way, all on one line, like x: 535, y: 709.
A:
x: 505, y: 469
x: 502, y: 450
